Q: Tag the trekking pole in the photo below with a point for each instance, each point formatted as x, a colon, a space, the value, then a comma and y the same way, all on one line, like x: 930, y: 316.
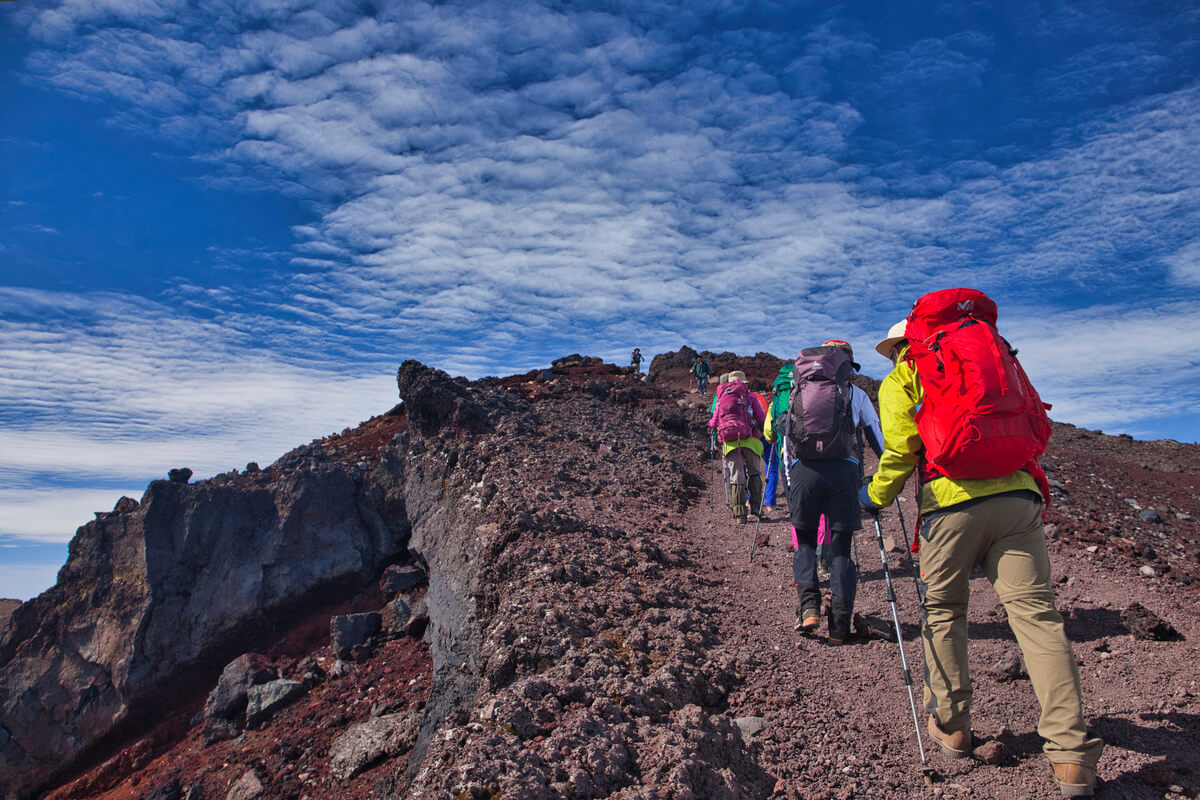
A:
x: 891, y: 596
x: 712, y: 473
x: 757, y: 518
x: 912, y: 566
x: 725, y: 494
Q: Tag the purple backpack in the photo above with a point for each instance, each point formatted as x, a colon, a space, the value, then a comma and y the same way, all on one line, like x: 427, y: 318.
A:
x: 733, y: 412
x: 820, y: 417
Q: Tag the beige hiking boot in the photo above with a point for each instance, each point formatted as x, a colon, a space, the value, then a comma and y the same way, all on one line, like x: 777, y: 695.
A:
x: 956, y: 744
x: 1075, y: 780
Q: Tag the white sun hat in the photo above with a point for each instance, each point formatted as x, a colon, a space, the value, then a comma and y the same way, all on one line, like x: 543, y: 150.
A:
x: 895, y: 334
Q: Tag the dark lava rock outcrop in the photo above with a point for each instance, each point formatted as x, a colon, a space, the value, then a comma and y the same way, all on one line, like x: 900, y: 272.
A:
x: 158, y: 596
x: 674, y: 370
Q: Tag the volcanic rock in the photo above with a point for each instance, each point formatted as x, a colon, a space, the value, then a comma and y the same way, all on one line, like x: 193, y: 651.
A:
x: 231, y: 560
x: 368, y: 742
x: 1145, y: 624
x: 673, y: 370
x: 263, y: 701
x: 394, y: 617
x: 7, y: 607
x: 1150, y: 515
x: 398, y: 579
x: 992, y: 753
x: 228, y: 699
x: 433, y: 400
x: 418, y: 619
x: 248, y: 787
x: 179, y: 475
x: 352, y: 630
x: 1008, y: 667
x: 748, y: 726
x: 125, y: 505
x: 575, y: 360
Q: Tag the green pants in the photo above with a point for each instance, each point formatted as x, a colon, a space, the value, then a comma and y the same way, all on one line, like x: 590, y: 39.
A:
x: 1002, y: 535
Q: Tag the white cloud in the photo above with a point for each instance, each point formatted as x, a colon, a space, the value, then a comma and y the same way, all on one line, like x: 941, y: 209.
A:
x: 103, y: 388
x: 499, y: 178
x: 1184, y: 265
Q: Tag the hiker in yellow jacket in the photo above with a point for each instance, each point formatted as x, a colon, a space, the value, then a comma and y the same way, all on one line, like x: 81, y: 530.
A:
x: 995, y: 524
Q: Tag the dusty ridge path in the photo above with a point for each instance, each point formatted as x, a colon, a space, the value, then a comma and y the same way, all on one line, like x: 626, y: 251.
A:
x: 837, y: 720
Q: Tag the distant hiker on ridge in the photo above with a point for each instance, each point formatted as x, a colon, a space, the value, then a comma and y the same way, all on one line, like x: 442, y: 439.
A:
x: 635, y: 360
x: 737, y: 423
x: 701, y: 372
x: 981, y: 500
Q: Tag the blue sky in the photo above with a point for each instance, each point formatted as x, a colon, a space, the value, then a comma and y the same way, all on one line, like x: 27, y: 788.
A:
x: 223, y: 226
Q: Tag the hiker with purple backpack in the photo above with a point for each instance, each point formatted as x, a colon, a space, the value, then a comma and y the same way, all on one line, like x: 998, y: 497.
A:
x: 866, y: 426
x: 737, y: 424
x: 823, y: 475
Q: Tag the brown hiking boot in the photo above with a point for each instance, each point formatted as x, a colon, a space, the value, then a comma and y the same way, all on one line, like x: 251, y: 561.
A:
x: 956, y: 744
x: 839, y: 630
x: 808, y: 620
x: 1075, y: 780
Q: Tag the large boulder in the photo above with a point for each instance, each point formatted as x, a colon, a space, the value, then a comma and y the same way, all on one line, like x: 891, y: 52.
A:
x: 433, y: 400
x: 227, y: 702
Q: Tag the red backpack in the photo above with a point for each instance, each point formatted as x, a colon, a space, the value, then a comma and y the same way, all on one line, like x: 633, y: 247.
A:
x: 734, y: 416
x: 981, y: 417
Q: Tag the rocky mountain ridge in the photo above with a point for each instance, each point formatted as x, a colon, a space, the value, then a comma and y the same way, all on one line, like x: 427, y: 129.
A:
x: 575, y: 637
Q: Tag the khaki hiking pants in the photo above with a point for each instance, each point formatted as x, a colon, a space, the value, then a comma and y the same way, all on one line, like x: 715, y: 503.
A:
x: 1002, y: 535
x: 741, y: 464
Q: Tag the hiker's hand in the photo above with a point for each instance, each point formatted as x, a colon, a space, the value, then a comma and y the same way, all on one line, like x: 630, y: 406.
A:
x: 864, y: 500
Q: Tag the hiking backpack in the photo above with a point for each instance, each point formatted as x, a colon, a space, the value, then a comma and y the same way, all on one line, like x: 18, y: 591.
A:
x: 782, y: 393
x: 981, y: 417
x: 734, y: 416
x: 820, y: 418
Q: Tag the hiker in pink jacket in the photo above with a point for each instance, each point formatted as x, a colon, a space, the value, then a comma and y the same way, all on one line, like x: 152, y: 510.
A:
x: 736, y: 423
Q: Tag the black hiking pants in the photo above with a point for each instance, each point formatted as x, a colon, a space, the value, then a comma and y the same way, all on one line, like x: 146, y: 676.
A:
x: 829, y: 488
